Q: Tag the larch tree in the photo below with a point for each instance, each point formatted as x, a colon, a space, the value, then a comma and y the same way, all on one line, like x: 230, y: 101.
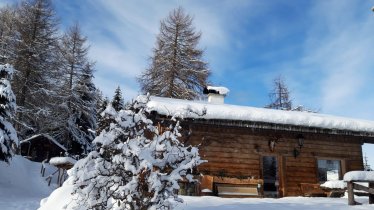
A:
x: 35, y: 60
x: 8, y: 136
x: 176, y: 69
x: 77, y: 94
x: 134, y: 166
x: 280, y: 96
x: 118, y: 102
x: 8, y: 34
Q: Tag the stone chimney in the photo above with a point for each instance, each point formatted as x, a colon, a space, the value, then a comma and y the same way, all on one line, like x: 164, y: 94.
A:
x: 216, y: 95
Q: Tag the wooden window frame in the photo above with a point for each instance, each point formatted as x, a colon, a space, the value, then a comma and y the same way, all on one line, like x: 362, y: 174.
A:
x: 342, y: 164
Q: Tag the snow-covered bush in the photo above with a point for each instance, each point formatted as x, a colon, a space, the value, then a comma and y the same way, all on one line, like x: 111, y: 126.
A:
x: 135, y: 166
x: 8, y: 136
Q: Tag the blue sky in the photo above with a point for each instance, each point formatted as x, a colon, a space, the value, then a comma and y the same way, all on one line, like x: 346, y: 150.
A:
x: 324, y: 49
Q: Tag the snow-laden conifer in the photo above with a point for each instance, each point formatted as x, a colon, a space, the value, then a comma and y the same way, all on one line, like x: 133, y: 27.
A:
x: 81, y: 123
x: 135, y: 166
x: 8, y: 135
x: 103, y: 119
x: 118, y: 102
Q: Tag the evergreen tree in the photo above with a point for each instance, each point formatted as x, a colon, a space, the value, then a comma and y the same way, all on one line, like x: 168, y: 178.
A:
x: 8, y: 135
x: 134, y: 166
x: 118, y: 102
x: 280, y: 96
x: 176, y: 68
x: 103, y: 120
x: 35, y: 60
x: 82, y: 121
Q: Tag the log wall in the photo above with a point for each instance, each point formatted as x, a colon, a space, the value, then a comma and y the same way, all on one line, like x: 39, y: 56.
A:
x: 237, y: 152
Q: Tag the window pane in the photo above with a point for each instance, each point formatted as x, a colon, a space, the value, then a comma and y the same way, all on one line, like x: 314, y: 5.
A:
x: 328, y: 170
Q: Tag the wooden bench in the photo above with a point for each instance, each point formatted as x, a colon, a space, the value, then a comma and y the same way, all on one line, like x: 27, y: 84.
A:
x: 351, y: 186
x: 312, y: 190
x: 235, y: 190
x: 231, y: 187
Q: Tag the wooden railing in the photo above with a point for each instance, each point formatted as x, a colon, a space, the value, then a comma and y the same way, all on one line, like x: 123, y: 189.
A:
x: 351, y: 186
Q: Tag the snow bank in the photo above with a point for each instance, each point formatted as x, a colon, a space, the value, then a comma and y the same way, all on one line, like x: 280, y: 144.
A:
x: 188, y: 109
x: 58, y: 199
x: 336, y: 184
x: 21, y: 185
x: 62, y: 160
x: 359, y: 175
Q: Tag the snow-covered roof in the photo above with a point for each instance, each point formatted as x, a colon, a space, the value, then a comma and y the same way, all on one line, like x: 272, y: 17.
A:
x: 205, y: 110
x: 218, y: 90
x: 47, y: 137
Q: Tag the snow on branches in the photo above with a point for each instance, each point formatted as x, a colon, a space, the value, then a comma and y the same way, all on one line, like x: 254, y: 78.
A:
x: 135, y: 166
x: 8, y: 135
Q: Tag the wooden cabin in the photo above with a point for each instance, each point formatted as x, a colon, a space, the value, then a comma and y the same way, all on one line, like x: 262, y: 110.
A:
x: 41, y: 147
x: 258, y: 152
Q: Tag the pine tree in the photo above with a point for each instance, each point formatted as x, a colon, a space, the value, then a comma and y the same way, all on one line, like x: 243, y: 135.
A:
x: 103, y: 120
x: 35, y: 60
x: 176, y: 68
x: 8, y: 135
x: 82, y: 121
x: 134, y: 166
x: 280, y: 97
x: 118, y: 102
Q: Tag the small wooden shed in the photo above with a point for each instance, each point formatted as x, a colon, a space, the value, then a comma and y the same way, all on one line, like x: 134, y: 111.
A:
x: 280, y: 153
x: 41, y: 147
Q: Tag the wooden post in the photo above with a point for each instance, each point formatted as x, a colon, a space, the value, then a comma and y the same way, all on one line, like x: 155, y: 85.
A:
x: 351, y: 198
x: 61, y: 178
x: 371, y: 196
x: 58, y: 177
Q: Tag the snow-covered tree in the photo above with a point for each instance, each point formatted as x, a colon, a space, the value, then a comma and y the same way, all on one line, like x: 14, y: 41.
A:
x: 8, y: 135
x: 103, y: 119
x: 75, y: 113
x: 8, y: 34
x: 118, y: 102
x: 34, y: 81
x: 176, y: 69
x: 82, y: 120
x: 280, y: 96
x: 134, y: 166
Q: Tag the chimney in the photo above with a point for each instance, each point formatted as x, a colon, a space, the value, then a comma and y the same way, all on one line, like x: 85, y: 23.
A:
x: 216, y: 95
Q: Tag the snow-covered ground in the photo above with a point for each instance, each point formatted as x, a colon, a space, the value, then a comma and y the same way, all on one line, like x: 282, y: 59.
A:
x: 21, y: 185
x: 289, y: 203
x: 215, y: 203
x: 22, y: 188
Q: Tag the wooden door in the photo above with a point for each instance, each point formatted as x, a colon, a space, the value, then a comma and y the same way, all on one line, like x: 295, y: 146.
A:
x: 270, y: 174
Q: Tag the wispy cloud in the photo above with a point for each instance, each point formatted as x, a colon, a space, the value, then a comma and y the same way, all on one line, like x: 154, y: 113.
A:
x: 122, y: 35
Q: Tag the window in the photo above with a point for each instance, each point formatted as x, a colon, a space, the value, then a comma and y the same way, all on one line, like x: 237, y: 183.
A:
x: 328, y: 170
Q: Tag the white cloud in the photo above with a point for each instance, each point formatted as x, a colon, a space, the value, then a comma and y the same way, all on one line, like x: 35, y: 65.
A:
x: 122, y: 34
